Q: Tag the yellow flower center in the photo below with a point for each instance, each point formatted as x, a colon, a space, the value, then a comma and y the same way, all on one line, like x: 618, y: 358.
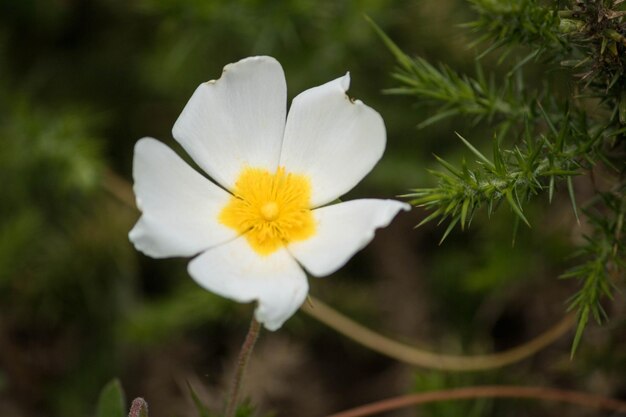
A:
x: 270, y: 209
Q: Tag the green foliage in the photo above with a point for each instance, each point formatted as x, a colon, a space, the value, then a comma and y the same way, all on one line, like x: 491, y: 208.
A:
x: 452, y: 93
x: 54, y: 258
x: 525, y: 22
x: 596, y: 29
x: 512, y: 176
x: 81, y: 81
x: 203, y: 410
x: 186, y: 308
x: 603, y: 260
x: 459, y: 94
x: 245, y: 409
x: 556, y: 139
x: 111, y: 402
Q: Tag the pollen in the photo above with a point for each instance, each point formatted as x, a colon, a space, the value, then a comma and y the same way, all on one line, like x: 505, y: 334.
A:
x: 270, y: 209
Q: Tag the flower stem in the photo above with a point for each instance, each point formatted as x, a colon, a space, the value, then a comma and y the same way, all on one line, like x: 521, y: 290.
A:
x: 431, y: 360
x: 582, y: 399
x: 242, y: 362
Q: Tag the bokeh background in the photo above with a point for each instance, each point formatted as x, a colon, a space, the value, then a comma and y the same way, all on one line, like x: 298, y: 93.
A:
x: 82, y: 80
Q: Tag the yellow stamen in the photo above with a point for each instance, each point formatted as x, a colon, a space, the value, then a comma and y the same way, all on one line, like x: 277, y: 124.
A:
x: 270, y: 209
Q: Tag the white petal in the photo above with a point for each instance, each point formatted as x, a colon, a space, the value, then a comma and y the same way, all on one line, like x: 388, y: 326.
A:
x: 234, y: 270
x: 179, y: 206
x: 237, y: 120
x: 342, y: 230
x: 334, y: 140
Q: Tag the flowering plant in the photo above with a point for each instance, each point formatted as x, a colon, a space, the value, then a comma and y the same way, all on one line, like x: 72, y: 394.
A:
x: 268, y: 214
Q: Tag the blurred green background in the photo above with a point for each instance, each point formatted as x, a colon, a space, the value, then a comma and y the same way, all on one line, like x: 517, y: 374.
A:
x: 82, y: 80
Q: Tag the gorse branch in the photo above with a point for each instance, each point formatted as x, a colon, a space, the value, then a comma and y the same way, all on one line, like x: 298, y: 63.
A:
x: 604, y: 256
x: 557, y: 138
x: 515, y: 22
x: 457, y: 94
x: 596, y: 29
x: 454, y: 94
x: 511, y: 176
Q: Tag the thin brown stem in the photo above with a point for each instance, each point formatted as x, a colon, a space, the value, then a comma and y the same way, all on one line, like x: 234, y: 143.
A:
x: 242, y: 362
x: 426, y: 359
x: 582, y: 399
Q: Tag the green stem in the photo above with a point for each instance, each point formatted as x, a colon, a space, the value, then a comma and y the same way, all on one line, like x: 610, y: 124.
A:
x: 431, y: 360
x: 242, y: 362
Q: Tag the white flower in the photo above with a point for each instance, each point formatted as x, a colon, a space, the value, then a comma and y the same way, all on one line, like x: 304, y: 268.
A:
x: 269, y: 219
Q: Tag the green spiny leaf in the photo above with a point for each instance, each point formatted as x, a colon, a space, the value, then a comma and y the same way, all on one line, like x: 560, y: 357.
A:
x: 548, y: 120
x: 464, y: 209
x: 582, y: 320
x: 453, y: 223
x: 449, y: 167
x: 572, y: 197
x: 202, y: 409
x: 515, y: 206
x: 400, y: 56
x: 476, y: 152
x: 430, y: 217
